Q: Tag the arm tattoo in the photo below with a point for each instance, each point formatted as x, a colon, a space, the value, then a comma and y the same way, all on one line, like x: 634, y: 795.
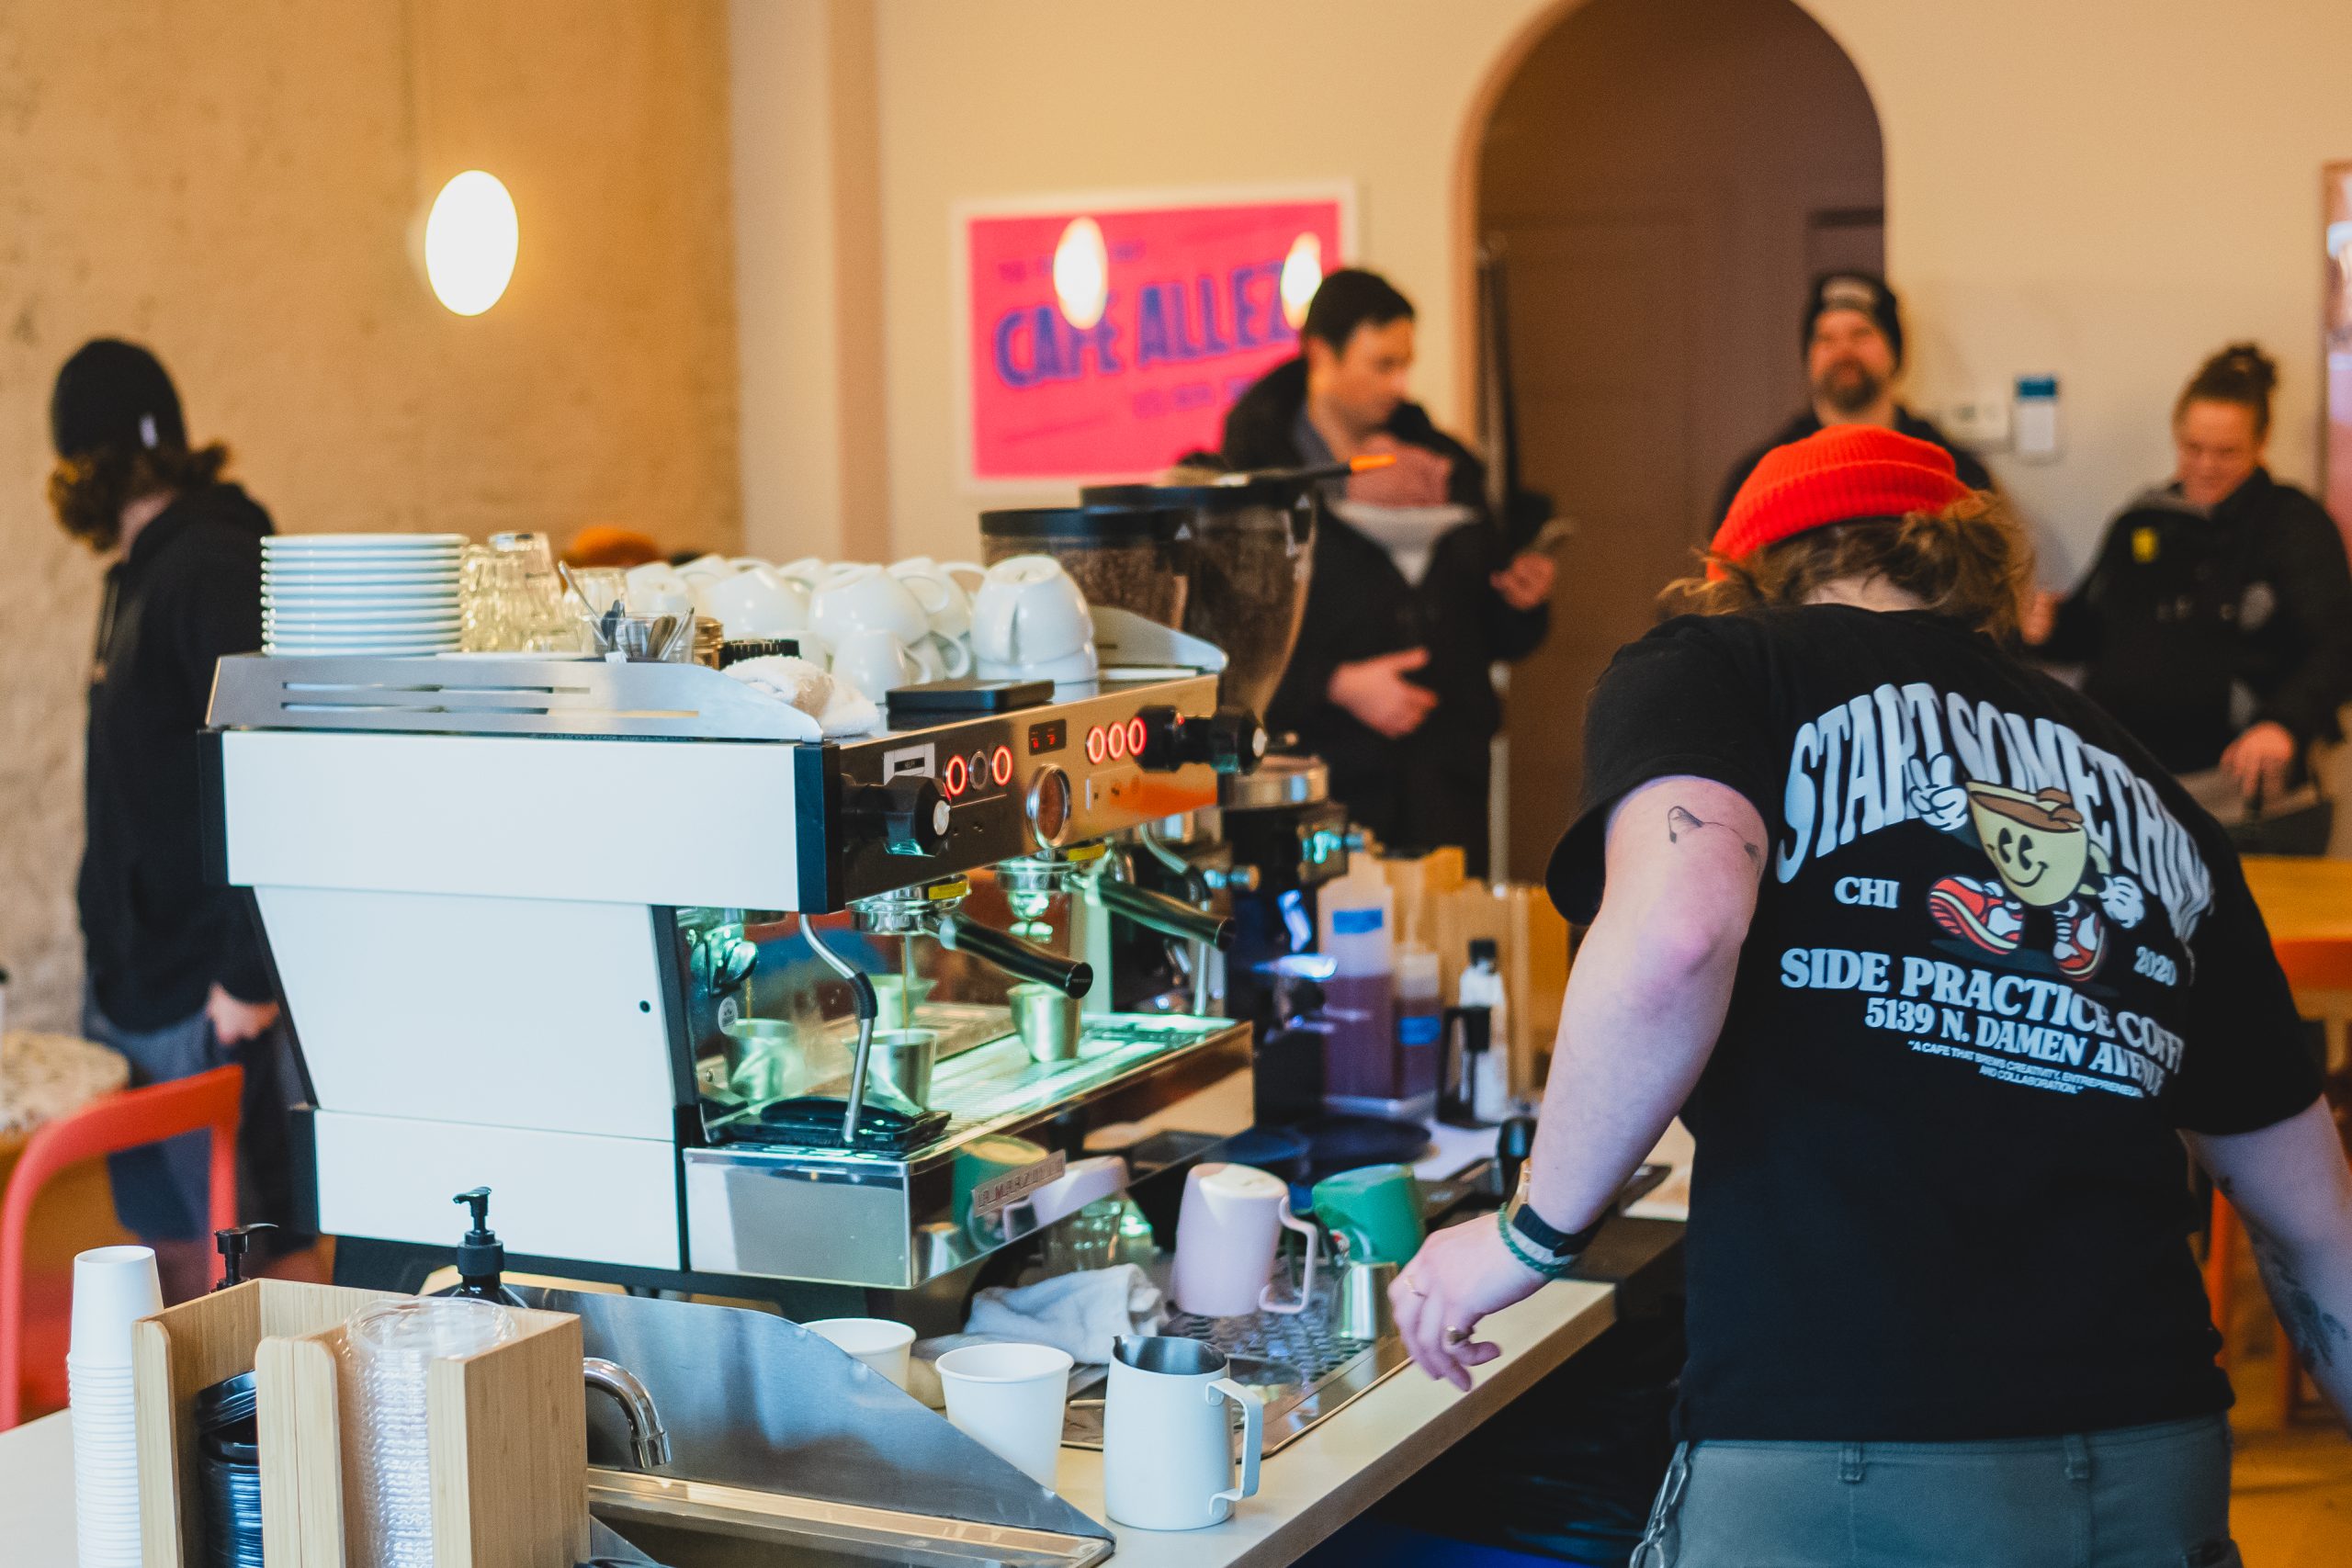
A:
x: 2318, y: 1335
x: 1680, y: 819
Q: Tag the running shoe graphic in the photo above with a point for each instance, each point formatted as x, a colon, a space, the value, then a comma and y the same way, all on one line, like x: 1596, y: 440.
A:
x: 1980, y: 912
x: 2082, y: 942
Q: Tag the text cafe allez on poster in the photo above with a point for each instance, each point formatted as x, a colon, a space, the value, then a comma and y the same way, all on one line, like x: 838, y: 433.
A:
x: 1188, y: 310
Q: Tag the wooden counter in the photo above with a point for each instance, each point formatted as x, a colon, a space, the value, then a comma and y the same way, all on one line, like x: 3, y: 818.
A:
x: 1306, y: 1491
x: 1343, y: 1467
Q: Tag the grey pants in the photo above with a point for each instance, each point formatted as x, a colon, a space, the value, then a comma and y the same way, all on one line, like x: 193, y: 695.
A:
x: 2133, y: 1497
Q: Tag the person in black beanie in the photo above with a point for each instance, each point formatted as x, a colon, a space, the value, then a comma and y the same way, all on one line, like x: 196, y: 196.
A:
x: 177, y: 976
x: 1853, y: 352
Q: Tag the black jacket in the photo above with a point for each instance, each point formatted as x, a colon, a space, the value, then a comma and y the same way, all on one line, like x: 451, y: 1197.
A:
x: 156, y: 936
x: 1429, y: 787
x: 1972, y: 473
x: 2193, y: 625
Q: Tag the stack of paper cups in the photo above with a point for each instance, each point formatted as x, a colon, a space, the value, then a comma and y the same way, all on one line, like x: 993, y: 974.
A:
x: 114, y: 1287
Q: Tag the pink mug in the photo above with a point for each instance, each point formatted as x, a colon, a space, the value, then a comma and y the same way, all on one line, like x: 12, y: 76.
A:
x: 1228, y: 1235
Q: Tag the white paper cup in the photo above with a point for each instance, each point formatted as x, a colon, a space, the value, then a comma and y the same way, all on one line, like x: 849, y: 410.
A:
x: 114, y: 1287
x: 881, y: 1344
x: 1008, y: 1399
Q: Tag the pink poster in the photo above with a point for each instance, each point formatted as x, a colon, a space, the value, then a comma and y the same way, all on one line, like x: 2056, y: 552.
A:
x: 1108, y: 342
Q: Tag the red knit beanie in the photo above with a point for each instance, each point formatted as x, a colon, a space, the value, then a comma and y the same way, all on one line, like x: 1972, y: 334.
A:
x: 1843, y: 474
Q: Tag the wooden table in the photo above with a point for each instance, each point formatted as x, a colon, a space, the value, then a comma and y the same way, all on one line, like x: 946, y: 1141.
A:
x: 2303, y: 899
x: 43, y: 1077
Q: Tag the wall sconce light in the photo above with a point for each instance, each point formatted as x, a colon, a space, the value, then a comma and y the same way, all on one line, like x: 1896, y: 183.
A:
x: 470, y: 239
x: 1083, y: 272
x: 1302, y: 274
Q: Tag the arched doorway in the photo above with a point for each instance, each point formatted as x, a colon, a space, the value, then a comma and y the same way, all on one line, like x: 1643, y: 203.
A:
x: 1663, y: 179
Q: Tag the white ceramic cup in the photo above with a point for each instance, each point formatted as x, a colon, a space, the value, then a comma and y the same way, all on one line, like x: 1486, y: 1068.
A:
x: 808, y: 570
x: 658, y: 589
x: 1227, y: 1232
x: 942, y: 658
x: 875, y: 662
x: 706, y: 569
x: 881, y: 1344
x: 114, y: 1287
x: 1029, y: 612
x: 1167, y: 1458
x: 1008, y: 1399
x: 943, y: 598
x: 756, y: 602
x: 860, y: 597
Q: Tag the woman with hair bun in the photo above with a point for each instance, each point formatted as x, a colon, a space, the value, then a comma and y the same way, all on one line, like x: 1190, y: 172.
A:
x: 1949, y: 980
x: 2216, y: 623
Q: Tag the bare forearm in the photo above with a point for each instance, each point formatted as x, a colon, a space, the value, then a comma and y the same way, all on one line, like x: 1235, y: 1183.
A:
x: 2312, y: 1296
x: 1648, y: 993
x: 2292, y: 1187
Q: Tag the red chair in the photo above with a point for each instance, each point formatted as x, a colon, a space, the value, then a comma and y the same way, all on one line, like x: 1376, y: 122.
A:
x: 32, y: 1345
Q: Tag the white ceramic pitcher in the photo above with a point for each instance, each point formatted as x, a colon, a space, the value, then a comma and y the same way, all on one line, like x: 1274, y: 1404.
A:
x: 1167, y: 1448
x: 1228, y: 1231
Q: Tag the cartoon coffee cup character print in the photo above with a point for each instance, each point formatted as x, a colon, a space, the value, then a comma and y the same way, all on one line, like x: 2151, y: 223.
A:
x: 2042, y: 857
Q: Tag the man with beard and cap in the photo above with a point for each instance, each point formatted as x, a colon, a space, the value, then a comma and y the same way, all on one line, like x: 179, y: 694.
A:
x: 177, y: 977
x: 1853, y: 352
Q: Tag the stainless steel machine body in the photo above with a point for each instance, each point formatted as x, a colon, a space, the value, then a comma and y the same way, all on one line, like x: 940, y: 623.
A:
x: 516, y: 907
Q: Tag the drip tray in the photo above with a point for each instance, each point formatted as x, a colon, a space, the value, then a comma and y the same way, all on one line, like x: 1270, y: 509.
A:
x: 1300, y: 1369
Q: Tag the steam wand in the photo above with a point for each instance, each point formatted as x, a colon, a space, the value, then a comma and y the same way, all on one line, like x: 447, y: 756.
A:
x: 869, y: 1008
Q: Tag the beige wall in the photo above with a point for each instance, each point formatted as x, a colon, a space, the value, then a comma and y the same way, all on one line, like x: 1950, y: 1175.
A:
x: 234, y: 181
x: 2105, y: 189
x: 808, y: 248
x: 2109, y: 189
x: 988, y: 98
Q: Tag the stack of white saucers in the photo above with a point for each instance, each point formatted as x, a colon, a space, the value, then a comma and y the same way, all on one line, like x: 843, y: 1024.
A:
x: 113, y: 1288
x: 360, y: 593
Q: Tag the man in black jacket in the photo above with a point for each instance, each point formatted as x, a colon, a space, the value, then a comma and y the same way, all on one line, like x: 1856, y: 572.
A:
x: 177, y: 979
x: 1853, y: 352
x: 1390, y: 683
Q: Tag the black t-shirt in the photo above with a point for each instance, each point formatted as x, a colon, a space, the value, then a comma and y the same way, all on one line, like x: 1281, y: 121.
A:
x: 1998, y: 958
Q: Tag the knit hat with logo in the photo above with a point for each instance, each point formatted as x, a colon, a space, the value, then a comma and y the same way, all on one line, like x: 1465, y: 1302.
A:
x: 1846, y: 473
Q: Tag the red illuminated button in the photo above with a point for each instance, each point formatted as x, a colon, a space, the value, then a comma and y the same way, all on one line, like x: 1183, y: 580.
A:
x: 1000, y: 765
x: 1137, y: 735
x: 1096, y: 747
x: 956, y: 776
x: 1115, y: 738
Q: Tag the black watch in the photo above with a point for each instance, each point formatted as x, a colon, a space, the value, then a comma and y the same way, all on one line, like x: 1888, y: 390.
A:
x: 1551, y: 1245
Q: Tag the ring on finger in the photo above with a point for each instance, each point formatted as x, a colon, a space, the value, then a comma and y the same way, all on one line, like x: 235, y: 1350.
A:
x: 1456, y: 1336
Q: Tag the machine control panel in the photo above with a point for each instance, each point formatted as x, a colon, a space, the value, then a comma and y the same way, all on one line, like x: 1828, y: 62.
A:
x: 1012, y: 784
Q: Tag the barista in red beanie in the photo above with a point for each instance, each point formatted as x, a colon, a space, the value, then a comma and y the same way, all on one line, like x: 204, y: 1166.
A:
x: 1948, y: 979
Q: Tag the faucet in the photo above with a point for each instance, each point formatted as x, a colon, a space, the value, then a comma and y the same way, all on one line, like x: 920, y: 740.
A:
x: 648, y: 1441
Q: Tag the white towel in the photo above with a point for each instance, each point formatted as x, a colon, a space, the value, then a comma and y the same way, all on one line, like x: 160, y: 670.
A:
x: 1081, y: 1314
x: 838, y: 708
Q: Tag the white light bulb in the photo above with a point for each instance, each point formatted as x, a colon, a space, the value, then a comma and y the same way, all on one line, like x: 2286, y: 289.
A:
x: 471, y: 240
x: 1083, y: 272
x: 1302, y: 274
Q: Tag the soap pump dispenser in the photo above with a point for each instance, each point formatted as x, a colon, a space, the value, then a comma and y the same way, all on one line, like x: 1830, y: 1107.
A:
x: 482, y: 1256
x: 231, y: 1244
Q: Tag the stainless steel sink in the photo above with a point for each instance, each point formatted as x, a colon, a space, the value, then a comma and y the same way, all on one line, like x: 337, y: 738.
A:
x: 699, y: 1524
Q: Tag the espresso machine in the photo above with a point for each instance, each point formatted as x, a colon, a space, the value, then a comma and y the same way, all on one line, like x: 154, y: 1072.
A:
x: 1227, y: 558
x: 605, y: 936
